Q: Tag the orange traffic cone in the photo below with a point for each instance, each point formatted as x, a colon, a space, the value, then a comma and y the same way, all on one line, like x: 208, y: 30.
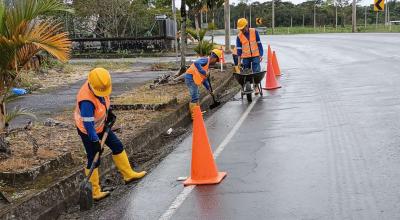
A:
x: 222, y: 60
x: 270, y: 82
x: 223, y: 56
x: 204, y: 170
x: 275, y: 64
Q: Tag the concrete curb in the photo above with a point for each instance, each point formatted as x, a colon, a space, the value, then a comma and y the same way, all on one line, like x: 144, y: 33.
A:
x: 50, y: 202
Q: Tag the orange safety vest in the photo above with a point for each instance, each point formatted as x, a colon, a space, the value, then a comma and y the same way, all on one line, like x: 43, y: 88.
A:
x: 198, y: 78
x: 249, y: 46
x: 100, y: 110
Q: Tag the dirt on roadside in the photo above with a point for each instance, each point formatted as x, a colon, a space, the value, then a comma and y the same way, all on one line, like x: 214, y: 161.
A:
x: 58, y: 139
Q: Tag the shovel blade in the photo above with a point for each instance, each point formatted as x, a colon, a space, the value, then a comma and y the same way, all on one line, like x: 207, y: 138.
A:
x: 85, y: 197
x: 214, y: 105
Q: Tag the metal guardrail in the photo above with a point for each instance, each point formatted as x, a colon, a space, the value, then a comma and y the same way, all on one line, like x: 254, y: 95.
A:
x: 127, y: 45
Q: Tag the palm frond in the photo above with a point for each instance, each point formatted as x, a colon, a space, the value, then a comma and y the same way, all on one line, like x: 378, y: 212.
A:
x: 204, y: 48
x: 197, y: 34
x: 17, y: 112
x: 26, y: 11
x: 2, y: 13
x: 193, y: 33
x: 45, y: 35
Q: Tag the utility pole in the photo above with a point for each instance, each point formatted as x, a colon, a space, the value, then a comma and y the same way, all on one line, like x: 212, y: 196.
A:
x: 273, y: 16
x: 250, y: 16
x: 376, y: 22
x: 303, y: 20
x: 388, y: 12
x: 227, y: 16
x: 291, y: 21
x: 365, y: 18
x: 176, y: 30
x: 354, y: 17
x: 385, y: 14
x: 336, y: 18
x: 183, y: 34
x: 315, y: 24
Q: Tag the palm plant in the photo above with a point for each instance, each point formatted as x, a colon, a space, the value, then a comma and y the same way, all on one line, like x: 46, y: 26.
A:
x: 204, y: 48
x: 197, y: 34
x: 27, y: 28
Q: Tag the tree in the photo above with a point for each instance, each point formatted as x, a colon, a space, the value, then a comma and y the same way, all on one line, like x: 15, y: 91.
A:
x: 183, y: 34
x: 354, y: 16
x: 227, y: 23
x: 195, y: 7
x: 213, y: 5
x: 25, y: 30
x: 117, y: 18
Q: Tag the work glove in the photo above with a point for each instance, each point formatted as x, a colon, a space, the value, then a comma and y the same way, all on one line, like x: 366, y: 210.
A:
x: 111, y: 118
x: 261, y: 58
x: 237, y: 69
x: 97, y: 146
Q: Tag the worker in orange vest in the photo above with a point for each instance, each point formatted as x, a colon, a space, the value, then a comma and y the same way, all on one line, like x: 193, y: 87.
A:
x: 92, y: 112
x: 197, y: 74
x: 249, y: 47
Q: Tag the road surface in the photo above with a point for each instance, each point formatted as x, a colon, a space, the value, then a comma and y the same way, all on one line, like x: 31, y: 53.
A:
x: 324, y: 146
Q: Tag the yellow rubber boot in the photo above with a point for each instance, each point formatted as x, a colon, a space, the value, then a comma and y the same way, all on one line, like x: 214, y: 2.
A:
x: 96, y: 189
x: 191, y: 107
x: 122, y: 163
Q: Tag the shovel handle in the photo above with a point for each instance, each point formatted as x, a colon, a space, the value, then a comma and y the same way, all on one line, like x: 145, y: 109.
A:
x: 97, y: 155
x: 211, y: 89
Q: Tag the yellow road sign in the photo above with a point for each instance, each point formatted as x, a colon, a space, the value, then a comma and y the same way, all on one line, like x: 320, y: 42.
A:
x: 258, y: 21
x: 379, y: 5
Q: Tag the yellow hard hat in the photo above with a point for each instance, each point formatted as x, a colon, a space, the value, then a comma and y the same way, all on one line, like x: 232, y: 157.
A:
x: 217, y: 52
x: 100, y: 82
x: 242, y: 23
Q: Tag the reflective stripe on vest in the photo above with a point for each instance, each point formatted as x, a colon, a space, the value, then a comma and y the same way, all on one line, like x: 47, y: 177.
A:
x: 198, y: 78
x: 249, y: 46
x: 100, y: 110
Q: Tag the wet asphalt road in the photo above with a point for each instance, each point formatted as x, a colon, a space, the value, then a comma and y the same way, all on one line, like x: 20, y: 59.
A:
x: 46, y: 104
x: 324, y: 146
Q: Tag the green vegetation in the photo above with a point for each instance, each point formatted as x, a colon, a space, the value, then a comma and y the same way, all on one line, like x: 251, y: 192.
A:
x: 330, y: 29
x: 26, y: 29
x: 288, y: 14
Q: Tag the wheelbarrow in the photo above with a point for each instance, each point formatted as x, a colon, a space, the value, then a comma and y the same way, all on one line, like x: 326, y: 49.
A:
x: 249, y: 81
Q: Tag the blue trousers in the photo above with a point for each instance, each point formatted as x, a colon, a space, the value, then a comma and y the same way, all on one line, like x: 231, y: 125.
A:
x: 253, y: 63
x: 112, y: 142
x: 193, y: 90
x: 235, y: 59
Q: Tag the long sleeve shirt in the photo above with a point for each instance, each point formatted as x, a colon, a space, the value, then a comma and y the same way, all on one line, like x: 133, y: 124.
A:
x: 247, y: 35
x: 87, y: 112
x: 199, y: 64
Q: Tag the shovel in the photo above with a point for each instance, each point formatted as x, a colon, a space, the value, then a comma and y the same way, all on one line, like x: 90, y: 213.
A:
x: 85, y: 192
x: 215, y: 102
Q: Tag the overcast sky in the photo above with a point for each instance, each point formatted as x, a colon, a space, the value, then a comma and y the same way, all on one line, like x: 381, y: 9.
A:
x: 363, y: 2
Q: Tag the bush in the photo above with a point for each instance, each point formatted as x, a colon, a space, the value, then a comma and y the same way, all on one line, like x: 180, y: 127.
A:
x: 204, y: 48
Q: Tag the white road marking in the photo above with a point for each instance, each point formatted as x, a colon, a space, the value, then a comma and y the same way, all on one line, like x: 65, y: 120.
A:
x: 187, y: 190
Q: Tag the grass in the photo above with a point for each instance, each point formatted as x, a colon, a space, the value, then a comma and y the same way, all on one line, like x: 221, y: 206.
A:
x: 111, y: 66
x: 146, y: 98
x: 330, y: 29
x: 163, y: 66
